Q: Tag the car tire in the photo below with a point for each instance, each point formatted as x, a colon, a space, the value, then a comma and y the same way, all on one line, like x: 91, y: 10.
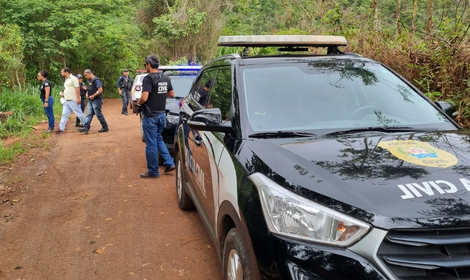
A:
x: 183, y: 199
x: 142, y: 135
x: 235, y: 264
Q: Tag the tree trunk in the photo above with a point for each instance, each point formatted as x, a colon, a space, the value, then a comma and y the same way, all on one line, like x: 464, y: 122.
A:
x: 398, y: 18
x: 430, y: 11
x: 413, y: 23
x: 376, y: 16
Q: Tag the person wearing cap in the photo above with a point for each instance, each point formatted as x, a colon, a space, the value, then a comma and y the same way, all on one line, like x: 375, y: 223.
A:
x: 124, y: 85
x: 155, y: 88
x: 83, y: 90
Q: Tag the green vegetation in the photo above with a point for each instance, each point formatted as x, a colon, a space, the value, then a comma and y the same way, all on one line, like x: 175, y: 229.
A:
x: 425, y: 41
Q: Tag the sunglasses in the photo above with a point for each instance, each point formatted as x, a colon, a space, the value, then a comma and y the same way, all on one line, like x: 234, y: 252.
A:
x: 145, y: 64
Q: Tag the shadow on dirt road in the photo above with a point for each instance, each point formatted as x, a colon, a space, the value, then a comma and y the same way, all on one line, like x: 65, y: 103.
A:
x: 80, y: 211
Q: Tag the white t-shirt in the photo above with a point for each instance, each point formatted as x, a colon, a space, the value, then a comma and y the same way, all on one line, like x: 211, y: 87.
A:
x: 70, y: 85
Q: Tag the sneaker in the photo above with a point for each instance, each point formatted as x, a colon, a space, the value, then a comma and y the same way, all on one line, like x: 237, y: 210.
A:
x: 147, y: 175
x: 49, y: 130
x: 168, y: 169
x: 83, y: 130
x: 103, y: 130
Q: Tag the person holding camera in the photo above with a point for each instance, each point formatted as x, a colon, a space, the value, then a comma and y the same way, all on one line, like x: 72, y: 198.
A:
x: 155, y: 89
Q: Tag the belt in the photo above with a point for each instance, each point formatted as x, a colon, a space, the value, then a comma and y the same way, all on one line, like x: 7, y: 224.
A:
x: 69, y: 100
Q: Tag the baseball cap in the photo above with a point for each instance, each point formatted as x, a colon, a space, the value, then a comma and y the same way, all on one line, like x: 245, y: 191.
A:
x: 125, y: 70
x: 79, y: 76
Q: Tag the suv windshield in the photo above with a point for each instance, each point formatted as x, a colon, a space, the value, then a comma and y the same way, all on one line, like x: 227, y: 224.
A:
x: 333, y: 94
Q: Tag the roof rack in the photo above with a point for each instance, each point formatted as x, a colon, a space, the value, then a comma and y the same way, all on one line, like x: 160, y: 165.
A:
x: 286, y: 42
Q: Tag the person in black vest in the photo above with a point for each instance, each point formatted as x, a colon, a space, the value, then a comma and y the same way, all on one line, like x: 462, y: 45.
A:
x: 155, y: 88
x: 83, y: 90
x: 124, y: 86
x: 95, y: 102
x: 46, y: 98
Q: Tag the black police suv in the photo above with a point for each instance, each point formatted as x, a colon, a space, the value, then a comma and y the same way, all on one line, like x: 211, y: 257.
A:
x: 182, y: 78
x: 323, y: 166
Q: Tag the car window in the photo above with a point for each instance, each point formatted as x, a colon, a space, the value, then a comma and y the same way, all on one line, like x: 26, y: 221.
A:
x: 333, y: 94
x: 221, y: 94
x: 181, y: 84
x: 201, y: 89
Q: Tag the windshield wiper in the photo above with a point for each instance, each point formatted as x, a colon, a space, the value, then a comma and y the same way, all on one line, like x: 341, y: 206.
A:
x: 389, y: 129
x: 281, y: 134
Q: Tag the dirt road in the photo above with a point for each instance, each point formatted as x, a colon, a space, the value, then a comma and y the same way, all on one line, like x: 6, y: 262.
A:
x: 78, y: 210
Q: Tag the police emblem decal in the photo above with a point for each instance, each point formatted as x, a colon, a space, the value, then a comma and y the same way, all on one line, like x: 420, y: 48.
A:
x: 419, y: 153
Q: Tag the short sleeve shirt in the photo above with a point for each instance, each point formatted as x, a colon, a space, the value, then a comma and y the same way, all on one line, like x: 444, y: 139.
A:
x: 43, y: 87
x: 70, y: 85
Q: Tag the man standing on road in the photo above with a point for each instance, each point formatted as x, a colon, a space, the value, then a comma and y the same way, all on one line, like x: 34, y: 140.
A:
x: 82, y: 97
x: 95, y: 102
x: 155, y: 88
x: 72, y: 98
x: 124, y: 85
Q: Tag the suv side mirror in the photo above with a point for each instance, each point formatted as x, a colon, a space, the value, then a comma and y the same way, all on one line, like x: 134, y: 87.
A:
x: 448, y: 108
x: 209, y: 120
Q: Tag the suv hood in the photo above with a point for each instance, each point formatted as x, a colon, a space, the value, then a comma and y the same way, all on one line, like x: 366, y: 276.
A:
x: 392, y: 181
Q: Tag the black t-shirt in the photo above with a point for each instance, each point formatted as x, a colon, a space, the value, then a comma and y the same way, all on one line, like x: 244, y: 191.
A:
x: 158, y: 86
x: 82, y: 91
x: 201, y: 96
x: 43, y: 87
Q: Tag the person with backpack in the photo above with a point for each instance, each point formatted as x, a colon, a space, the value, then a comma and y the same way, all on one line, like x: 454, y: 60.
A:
x: 155, y: 88
x: 124, y: 86
x: 95, y: 102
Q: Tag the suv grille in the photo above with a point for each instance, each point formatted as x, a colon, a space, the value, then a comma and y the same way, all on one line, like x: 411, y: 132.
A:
x: 427, y: 254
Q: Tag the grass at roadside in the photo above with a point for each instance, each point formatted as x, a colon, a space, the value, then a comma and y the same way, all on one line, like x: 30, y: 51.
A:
x: 27, y: 110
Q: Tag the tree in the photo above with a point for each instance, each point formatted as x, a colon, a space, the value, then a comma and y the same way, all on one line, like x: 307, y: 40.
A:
x: 11, y: 56
x: 430, y: 11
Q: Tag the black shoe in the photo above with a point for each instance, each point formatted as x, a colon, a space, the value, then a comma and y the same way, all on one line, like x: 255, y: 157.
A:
x: 78, y: 125
x: 83, y: 130
x: 123, y: 112
x: 168, y: 169
x: 103, y: 130
x: 147, y: 175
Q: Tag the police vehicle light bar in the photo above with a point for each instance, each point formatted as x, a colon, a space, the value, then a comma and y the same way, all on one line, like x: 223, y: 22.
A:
x: 179, y: 68
x: 282, y: 41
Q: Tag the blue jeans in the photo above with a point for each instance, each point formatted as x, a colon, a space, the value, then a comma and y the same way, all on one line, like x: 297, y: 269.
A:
x: 94, y: 108
x: 82, y: 106
x: 125, y: 98
x: 69, y: 107
x: 153, y: 128
x: 49, y: 111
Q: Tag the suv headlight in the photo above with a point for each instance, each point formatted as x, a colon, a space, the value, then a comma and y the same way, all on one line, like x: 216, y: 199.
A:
x: 172, y: 119
x: 291, y: 215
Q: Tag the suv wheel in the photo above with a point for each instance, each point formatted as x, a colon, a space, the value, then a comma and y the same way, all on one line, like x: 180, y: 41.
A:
x: 235, y: 265
x: 183, y: 199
